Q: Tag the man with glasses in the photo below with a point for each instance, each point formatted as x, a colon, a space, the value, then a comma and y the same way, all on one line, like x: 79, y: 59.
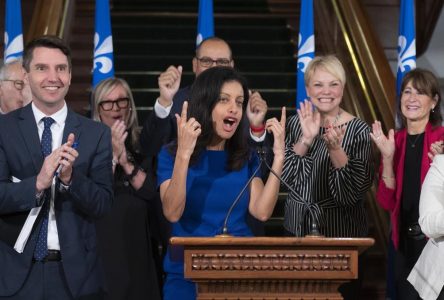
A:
x: 160, y: 127
x: 211, y: 52
x: 14, y: 93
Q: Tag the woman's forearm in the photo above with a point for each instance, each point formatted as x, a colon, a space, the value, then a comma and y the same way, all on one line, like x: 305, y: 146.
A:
x: 173, y: 191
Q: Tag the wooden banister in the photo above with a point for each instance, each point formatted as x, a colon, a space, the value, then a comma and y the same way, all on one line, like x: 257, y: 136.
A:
x: 51, y: 17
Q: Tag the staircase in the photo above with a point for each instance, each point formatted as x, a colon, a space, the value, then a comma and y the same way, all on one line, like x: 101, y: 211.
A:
x: 148, y: 39
x: 151, y: 35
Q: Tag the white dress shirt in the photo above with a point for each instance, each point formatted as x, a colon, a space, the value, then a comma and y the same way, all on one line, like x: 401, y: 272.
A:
x: 57, y: 135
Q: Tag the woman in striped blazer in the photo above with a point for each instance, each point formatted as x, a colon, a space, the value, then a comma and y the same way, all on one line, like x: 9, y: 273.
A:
x: 328, y: 158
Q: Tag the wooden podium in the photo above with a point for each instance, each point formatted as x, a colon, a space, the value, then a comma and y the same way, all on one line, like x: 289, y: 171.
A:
x: 270, y: 267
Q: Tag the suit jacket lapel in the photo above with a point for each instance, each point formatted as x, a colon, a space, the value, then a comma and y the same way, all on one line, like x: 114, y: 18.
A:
x: 30, y: 134
x: 72, y: 125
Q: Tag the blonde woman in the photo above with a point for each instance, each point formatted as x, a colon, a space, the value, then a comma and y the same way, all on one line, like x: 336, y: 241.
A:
x: 125, y: 235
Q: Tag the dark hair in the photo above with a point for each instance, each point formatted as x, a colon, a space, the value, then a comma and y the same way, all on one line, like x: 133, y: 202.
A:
x: 213, y: 39
x: 46, y: 41
x: 204, y: 95
x: 425, y: 82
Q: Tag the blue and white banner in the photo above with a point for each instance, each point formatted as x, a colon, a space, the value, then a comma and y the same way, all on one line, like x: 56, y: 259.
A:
x: 406, y: 41
x: 406, y: 48
x: 13, y: 31
x: 103, y: 43
x: 306, y: 47
x: 205, y: 22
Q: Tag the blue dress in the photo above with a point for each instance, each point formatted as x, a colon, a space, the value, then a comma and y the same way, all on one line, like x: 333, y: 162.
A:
x: 210, y: 191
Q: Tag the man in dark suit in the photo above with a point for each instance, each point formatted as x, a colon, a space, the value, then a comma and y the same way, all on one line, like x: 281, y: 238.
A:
x: 161, y: 122
x: 40, y: 165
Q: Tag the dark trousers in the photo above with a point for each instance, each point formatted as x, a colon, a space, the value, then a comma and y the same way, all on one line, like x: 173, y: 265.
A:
x: 46, y: 281
x: 404, y: 259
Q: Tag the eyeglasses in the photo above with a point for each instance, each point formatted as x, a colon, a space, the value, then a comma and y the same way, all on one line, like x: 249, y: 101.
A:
x: 109, y: 104
x: 208, y: 62
x: 19, y: 84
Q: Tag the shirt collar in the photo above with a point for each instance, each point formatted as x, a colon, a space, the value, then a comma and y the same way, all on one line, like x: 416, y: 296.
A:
x: 59, y: 116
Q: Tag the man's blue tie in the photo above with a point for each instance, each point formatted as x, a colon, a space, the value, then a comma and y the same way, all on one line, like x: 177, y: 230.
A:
x: 41, y: 248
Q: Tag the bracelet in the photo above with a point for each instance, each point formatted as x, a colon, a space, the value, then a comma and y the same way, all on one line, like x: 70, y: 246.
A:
x: 387, y: 177
x: 303, y: 142
x: 257, y: 129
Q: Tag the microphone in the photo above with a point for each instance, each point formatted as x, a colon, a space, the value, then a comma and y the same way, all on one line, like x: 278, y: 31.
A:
x: 225, y: 227
x: 314, y: 230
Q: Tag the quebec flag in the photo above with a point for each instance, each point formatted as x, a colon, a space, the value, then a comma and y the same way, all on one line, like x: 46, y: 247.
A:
x: 406, y: 42
x: 13, y: 31
x: 205, y: 22
x: 306, y: 47
x: 103, y: 43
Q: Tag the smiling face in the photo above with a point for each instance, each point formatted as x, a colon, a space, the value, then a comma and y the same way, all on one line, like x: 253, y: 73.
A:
x: 214, y: 50
x: 49, y: 77
x: 115, y: 99
x: 415, y: 104
x: 325, y: 91
x: 227, y: 113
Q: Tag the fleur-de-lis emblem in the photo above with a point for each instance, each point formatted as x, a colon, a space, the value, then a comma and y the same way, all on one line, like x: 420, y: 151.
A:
x: 406, y: 54
x: 14, y: 48
x: 305, y: 52
x: 102, y: 62
x: 199, y: 39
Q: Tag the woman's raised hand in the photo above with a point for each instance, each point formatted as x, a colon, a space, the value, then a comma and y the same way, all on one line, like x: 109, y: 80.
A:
x: 310, y: 121
x: 385, y: 144
x: 333, y: 136
x: 277, y: 128
x: 118, y: 135
x: 187, y: 132
x: 435, y: 149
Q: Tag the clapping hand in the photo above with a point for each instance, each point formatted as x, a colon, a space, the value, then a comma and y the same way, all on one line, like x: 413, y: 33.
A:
x: 333, y: 136
x: 310, y: 121
x: 187, y: 132
x: 435, y: 149
x: 63, y: 156
x: 119, y: 135
x: 169, y: 83
x: 278, y: 129
x: 385, y: 144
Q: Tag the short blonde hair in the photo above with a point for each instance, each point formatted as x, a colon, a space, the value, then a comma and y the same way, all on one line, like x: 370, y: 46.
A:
x: 329, y: 63
x: 102, y: 89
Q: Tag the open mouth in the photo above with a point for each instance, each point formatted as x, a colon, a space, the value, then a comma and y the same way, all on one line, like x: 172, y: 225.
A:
x: 51, y: 88
x: 229, y: 123
x: 411, y: 107
x: 325, y: 100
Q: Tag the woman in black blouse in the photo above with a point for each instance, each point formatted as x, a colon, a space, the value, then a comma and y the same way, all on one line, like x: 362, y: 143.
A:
x: 124, y: 236
x: 327, y: 158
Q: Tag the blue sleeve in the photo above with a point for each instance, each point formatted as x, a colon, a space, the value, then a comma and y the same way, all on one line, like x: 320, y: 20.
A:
x: 165, y: 165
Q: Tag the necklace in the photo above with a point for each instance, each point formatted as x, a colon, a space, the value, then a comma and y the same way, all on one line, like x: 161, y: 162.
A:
x: 335, y: 121
x: 414, y: 141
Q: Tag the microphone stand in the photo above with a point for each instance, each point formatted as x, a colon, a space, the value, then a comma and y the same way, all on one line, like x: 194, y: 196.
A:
x: 225, y: 227
x: 314, y: 229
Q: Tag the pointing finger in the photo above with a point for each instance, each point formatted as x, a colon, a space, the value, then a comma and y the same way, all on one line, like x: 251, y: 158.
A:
x: 283, y: 116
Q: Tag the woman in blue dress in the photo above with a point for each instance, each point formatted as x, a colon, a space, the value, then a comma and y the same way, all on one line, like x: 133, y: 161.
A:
x: 201, y: 173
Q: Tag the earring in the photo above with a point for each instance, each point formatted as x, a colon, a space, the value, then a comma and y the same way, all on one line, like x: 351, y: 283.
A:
x: 433, y: 109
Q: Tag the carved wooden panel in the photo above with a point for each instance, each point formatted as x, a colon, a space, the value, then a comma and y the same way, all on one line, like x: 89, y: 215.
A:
x: 268, y: 289
x: 303, y: 264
